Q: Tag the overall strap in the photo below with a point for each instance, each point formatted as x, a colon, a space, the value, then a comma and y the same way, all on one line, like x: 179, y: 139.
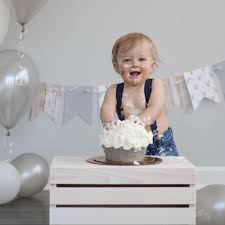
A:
x: 119, y: 95
x: 148, y: 90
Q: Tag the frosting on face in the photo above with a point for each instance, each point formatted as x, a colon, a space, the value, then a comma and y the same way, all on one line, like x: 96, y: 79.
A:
x: 126, y: 134
x: 136, y: 64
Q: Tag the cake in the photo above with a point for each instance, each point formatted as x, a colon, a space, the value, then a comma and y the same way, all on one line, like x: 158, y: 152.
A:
x: 125, y: 141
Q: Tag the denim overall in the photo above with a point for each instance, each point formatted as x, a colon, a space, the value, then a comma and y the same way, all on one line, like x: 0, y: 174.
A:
x: 163, y: 145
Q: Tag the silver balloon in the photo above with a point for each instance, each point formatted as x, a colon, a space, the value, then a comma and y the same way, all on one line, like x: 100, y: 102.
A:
x: 19, y: 83
x: 25, y: 10
x: 211, y: 205
x: 34, y: 173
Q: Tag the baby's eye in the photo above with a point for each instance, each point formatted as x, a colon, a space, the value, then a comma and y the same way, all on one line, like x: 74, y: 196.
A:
x: 126, y: 60
x: 142, y: 59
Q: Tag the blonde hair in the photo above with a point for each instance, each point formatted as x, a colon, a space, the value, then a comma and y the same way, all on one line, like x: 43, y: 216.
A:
x: 130, y: 40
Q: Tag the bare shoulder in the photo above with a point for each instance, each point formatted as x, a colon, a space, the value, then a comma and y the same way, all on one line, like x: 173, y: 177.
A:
x: 158, y: 86
x: 110, y: 94
x: 111, y: 90
x: 157, y: 83
x: 108, y: 107
x: 158, y: 94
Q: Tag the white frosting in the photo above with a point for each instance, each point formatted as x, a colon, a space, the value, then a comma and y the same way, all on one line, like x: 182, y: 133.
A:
x: 127, y: 134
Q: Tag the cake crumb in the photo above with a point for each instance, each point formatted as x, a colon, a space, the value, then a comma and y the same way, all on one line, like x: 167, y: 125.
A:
x: 136, y: 163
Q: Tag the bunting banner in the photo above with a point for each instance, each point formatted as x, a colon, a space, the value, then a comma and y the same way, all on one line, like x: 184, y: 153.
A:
x: 186, y: 91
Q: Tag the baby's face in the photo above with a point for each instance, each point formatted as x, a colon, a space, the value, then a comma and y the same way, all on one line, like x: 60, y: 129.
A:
x: 136, y: 65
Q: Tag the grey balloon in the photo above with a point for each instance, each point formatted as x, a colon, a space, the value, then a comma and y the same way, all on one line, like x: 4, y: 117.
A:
x: 25, y: 10
x: 211, y: 205
x: 34, y: 173
x: 19, y: 83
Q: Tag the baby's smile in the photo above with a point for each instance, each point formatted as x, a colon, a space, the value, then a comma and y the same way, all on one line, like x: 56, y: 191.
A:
x: 134, y: 73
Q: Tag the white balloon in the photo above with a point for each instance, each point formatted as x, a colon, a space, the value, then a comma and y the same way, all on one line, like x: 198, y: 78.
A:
x: 10, y: 182
x: 4, y: 20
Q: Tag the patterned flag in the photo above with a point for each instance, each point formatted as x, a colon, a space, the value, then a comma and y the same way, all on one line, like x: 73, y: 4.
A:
x: 219, y: 70
x: 201, y: 84
x: 39, y: 101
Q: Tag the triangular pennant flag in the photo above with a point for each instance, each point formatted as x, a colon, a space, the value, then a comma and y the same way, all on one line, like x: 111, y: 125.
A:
x: 176, y: 93
x: 168, y: 93
x: 78, y: 102
x: 86, y: 103
x: 201, y: 84
x: 219, y: 70
x: 39, y: 101
x: 69, y: 103
x: 54, y: 103
x: 180, y: 87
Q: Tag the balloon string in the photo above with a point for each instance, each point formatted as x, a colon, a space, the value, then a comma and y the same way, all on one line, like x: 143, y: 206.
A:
x: 6, y: 139
x: 20, y: 53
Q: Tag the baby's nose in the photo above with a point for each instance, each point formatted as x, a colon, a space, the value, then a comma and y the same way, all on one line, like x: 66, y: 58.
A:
x: 135, y: 62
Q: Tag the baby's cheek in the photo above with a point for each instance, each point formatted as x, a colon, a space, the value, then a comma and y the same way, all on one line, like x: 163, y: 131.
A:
x: 126, y: 65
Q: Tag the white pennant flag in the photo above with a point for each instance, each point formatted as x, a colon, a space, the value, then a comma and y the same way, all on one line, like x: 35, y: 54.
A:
x: 219, y: 70
x: 54, y: 103
x: 201, y: 84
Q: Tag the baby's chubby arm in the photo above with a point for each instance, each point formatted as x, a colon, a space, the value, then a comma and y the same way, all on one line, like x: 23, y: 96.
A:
x: 156, y: 103
x: 108, y: 109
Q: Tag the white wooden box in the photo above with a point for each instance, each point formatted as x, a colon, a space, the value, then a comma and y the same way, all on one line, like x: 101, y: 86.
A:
x: 85, y: 193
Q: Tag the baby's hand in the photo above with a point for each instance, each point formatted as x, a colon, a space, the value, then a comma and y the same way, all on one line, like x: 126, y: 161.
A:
x: 112, y: 125
x: 136, y: 120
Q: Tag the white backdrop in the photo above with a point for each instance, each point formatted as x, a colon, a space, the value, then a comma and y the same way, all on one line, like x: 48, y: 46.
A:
x: 71, y: 41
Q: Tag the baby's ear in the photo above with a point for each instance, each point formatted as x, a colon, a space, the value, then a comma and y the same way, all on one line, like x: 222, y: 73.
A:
x: 154, y: 65
x: 116, y: 67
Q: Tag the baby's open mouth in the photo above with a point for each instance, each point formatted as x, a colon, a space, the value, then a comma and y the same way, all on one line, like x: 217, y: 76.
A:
x: 135, y: 73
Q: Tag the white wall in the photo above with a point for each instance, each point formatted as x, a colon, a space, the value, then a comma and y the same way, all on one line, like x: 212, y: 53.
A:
x: 71, y: 41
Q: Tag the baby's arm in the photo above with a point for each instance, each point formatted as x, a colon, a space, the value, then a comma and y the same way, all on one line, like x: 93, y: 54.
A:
x: 108, y: 108
x: 156, y: 103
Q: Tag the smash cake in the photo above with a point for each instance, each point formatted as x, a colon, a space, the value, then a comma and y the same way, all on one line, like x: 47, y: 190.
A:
x: 125, y: 141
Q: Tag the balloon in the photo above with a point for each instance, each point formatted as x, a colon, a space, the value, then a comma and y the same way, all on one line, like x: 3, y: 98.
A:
x: 19, y: 84
x: 34, y: 173
x: 4, y: 20
x: 25, y: 10
x: 9, y: 182
x: 211, y: 205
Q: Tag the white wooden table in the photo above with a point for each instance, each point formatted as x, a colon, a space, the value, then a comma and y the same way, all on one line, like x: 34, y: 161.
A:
x: 85, y: 193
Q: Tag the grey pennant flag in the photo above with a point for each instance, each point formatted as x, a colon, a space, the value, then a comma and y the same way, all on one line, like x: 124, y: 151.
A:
x: 78, y: 101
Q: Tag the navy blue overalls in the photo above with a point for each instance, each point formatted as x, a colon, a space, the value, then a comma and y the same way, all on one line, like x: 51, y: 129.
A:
x: 165, y: 145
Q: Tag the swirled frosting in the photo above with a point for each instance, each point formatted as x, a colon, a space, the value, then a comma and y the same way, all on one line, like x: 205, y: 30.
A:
x: 126, y: 134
